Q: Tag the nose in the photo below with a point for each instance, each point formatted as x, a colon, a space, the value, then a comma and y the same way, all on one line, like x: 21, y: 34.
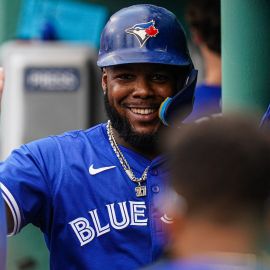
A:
x: 142, y: 88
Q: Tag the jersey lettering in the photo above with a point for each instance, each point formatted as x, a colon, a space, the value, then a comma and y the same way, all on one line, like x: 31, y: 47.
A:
x: 137, y: 211
x: 124, y: 213
x: 135, y: 216
x: 100, y: 230
x: 83, y: 231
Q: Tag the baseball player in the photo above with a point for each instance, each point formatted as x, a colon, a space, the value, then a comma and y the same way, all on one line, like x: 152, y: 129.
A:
x: 203, y: 18
x: 94, y: 193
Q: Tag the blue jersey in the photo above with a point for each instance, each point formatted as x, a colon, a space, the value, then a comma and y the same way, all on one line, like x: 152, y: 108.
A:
x: 73, y: 187
x: 207, y: 101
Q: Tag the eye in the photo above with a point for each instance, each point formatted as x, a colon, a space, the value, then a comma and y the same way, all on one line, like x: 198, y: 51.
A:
x: 160, y: 78
x: 125, y: 76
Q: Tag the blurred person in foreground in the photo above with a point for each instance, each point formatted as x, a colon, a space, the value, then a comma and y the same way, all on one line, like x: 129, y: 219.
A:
x: 221, y: 182
x: 203, y: 19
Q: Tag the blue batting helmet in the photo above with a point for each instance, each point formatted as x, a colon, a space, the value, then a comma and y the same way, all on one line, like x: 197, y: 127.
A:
x: 149, y: 34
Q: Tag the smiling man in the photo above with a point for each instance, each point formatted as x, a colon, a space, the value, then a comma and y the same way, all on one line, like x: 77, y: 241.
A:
x: 133, y: 95
x: 95, y: 193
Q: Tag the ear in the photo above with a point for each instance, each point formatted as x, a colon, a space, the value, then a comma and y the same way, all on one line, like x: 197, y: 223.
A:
x: 104, y: 80
x: 196, y: 37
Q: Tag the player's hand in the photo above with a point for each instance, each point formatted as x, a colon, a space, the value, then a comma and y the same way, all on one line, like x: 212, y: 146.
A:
x: 2, y: 80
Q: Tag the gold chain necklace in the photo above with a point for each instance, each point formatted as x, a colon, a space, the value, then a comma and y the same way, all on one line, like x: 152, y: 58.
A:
x: 140, y: 190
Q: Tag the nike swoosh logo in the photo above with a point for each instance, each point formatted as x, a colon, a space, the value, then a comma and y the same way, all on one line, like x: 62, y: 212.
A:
x: 94, y: 171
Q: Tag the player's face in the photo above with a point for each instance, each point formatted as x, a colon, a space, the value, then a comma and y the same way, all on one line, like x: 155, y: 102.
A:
x: 135, y: 92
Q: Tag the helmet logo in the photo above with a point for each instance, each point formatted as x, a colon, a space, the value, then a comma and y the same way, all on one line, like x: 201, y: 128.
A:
x: 143, y: 31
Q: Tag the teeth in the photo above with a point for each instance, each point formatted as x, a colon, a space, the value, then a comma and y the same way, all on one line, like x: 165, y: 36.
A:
x: 142, y: 111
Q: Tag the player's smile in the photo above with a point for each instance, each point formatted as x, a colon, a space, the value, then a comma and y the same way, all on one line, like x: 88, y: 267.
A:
x: 136, y: 91
x: 143, y: 112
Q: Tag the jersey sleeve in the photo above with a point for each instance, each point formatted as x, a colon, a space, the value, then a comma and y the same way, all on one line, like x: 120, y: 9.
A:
x: 25, y: 187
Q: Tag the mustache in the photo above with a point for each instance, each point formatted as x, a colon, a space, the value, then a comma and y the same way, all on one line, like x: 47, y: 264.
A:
x: 125, y: 130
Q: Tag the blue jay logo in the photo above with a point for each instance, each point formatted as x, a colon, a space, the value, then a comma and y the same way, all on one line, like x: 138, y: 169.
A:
x: 143, y: 31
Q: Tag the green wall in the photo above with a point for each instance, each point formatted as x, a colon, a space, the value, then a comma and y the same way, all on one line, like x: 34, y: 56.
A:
x: 27, y: 250
x: 245, y: 54
x: 9, y: 10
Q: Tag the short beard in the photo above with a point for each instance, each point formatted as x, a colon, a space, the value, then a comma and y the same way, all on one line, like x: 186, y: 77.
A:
x: 144, y: 142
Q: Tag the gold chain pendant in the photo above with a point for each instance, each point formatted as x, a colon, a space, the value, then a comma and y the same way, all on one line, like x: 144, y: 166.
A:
x: 140, y: 191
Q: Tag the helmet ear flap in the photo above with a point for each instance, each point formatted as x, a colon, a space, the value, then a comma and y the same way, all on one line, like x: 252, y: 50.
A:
x: 180, y: 105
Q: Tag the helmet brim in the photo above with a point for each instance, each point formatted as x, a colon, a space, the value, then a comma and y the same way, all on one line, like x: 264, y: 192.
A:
x: 120, y: 57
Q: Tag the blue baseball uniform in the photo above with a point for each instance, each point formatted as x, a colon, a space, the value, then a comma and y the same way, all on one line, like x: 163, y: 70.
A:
x: 73, y: 187
x: 207, y: 102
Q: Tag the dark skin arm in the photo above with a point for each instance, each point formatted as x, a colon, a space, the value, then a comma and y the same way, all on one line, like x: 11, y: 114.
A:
x: 10, y: 223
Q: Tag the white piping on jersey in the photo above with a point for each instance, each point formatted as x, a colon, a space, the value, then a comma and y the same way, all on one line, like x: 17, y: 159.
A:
x: 13, y: 206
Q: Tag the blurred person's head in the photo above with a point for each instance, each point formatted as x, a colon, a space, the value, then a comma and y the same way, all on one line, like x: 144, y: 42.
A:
x: 203, y: 17
x: 221, y: 172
